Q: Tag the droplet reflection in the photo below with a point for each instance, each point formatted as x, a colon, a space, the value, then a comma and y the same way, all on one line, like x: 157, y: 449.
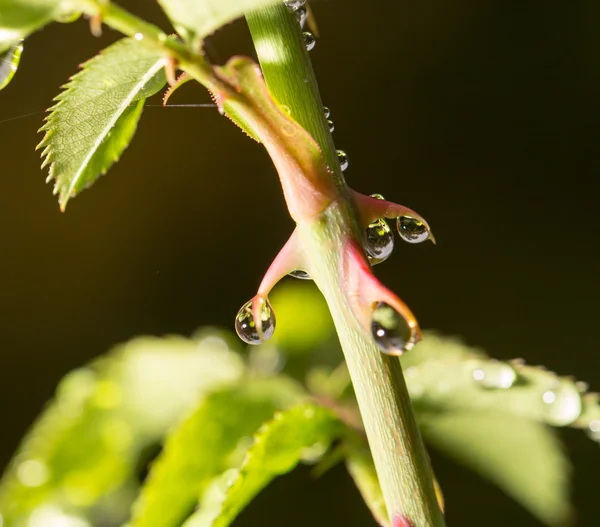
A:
x: 390, y: 330
x: 246, y: 326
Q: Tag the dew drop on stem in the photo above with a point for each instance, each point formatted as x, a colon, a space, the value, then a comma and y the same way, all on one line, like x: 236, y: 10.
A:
x: 301, y: 15
x: 495, y: 375
x: 379, y: 239
x: 247, y: 327
x: 294, y: 4
x: 309, y: 40
x: 331, y: 125
x: 411, y: 230
x: 299, y: 273
x: 326, y: 112
x: 390, y: 330
x: 342, y: 159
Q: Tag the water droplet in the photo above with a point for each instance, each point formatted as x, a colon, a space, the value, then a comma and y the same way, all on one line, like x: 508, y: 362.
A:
x: 246, y: 327
x: 327, y: 112
x: 342, y: 159
x: 301, y: 15
x: 390, y: 330
x: 32, y: 473
x: 562, y: 404
x: 331, y: 125
x: 294, y: 4
x: 494, y: 374
x: 299, y: 273
x: 411, y: 230
x: 379, y: 242
x: 139, y: 36
x: 582, y: 386
x: 309, y: 40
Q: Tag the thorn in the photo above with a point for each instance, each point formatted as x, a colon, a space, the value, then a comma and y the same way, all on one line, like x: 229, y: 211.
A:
x: 96, y: 25
x: 171, y: 71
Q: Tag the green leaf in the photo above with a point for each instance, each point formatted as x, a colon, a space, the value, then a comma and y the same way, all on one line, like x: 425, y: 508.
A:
x: 81, y: 456
x: 444, y: 375
x: 19, y: 18
x: 361, y: 468
x: 213, y: 439
x: 278, y: 447
x: 196, y: 19
x: 96, y: 115
x: 9, y: 62
x: 522, y: 457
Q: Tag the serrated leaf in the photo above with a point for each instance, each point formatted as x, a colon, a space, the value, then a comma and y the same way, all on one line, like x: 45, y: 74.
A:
x: 19, y: 18
x: 213, y: 439
x: 9, y: 62
x: 278, y: 447
x: 522, y: 457
x: 196, y: 19
x: 81, y: 455
x: 96, y: 115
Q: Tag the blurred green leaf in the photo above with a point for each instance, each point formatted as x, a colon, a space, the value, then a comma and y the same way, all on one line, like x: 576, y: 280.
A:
x: 522, y: 457
x: 278, y: 447
x: 9, y: 62
x: 196, y: 19
x: 89, y: 441
x: 97, y: 114
x: 361, y: 468
x: 303, y: 319
x: 19, y: 18
x: 445, y: 376
x: 213, y: 439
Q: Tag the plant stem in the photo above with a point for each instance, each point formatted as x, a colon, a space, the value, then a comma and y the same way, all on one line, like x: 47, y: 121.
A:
x: 399, y: 454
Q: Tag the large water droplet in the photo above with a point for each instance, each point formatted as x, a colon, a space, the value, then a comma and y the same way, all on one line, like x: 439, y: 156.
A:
x: 342, y: 159
x: 309, y: 40
x: 331, y: 125
x: 411, y: 230
x: 299, y: 273
x: 326, y: 112
x: 562, y: 404
x: 246, y: 326
x: 379, y: 242
x: 494, y: 374
x: 301, y: 15
x: 390, y: 330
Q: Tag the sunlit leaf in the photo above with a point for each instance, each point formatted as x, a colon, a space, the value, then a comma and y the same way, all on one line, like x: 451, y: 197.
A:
x: 278, y: 447
x: 96, y: 116
x: 82, y: 454
x: 9, y: 62
x: 196, y: 19
x: 444, y: 375
x: 522, y: 457
x: 213, y: 439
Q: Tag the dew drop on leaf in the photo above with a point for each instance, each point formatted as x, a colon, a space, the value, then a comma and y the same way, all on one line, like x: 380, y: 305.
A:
x: 594, y: 430
x: 246, y: 326
x: 331, y: 125
x: 309, y: 40
x: 299, y: 273
x: 390, y: 330
x: 411, y: 230
x: 495, y: 375
x: 562, y: 404
x: 301, y: 16
x: 294, y: 4
x: 342, y: 159
x: 379, y: 239
x: 326, y: 112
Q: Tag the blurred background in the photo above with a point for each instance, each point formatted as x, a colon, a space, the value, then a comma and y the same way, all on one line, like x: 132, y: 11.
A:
x: 483, y: 116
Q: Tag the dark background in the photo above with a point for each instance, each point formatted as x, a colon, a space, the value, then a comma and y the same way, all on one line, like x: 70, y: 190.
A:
x: 482, y: 115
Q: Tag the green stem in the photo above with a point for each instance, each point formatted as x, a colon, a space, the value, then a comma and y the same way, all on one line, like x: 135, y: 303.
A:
x: 394, y: 438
